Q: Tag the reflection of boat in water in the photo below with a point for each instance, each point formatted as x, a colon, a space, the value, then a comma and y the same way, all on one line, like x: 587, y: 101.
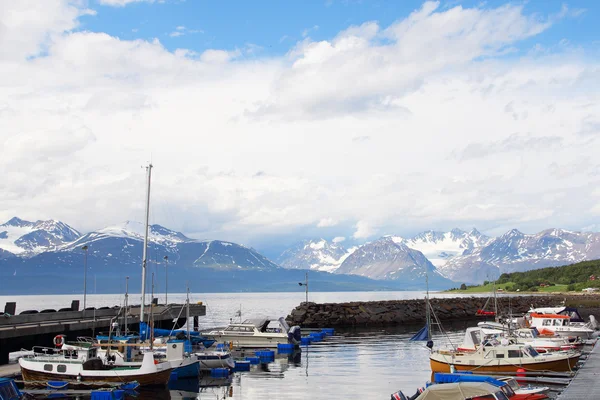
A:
x: 256, y: 333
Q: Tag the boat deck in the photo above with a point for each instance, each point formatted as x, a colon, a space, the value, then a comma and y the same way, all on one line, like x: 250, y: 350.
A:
x: 585, y: 384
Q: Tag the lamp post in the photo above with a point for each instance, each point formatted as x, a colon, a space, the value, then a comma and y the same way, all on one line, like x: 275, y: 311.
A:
x: 166, y: 258
x: 305, y: 284
x: 85, y: 248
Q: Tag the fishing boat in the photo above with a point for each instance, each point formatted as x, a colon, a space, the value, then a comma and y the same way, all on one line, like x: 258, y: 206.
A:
x: 80, y: 365
x: 256, y: 333
x: 523, y: 336
x: 502, y: 358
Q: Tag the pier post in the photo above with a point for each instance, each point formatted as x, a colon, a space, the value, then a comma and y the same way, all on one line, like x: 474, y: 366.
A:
x: 196, y: 323
x: 3, y: 352
x: 10, y: 307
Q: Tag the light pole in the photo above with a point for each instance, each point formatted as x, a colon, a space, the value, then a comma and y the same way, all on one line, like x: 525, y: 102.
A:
x: 305, y: 284
x: 166, y: 258
x: 85, y: 248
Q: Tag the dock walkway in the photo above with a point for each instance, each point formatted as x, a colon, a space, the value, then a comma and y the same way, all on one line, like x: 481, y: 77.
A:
x: 586, y: 383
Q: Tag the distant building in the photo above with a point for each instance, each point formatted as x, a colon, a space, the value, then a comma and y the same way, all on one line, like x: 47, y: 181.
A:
x: 592, y: 278
x: 589, y: 290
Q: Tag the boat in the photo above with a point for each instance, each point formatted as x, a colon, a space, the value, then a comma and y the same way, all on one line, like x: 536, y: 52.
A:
x: 557, y: 324
x: 509, y: 386
x: 456, y: 391
x: 79, y: 365
x: 575, y: 319
x: 520, y: 389
x: 210, y: 359
x: 9, y: 390
x: 502, y: 358
x: 524, y: 336
x: 256, y: 333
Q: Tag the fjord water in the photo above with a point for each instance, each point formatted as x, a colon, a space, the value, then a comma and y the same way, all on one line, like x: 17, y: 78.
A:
x: 366, y: 363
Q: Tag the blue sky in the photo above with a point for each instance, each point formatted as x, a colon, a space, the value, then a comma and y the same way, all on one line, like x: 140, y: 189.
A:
x: 275, y: 26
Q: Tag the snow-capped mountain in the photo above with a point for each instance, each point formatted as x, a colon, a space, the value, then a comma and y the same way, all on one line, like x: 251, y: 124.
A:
x: 26, y: 239
x: 319, y: 255
x: 439, y: 247
x: 388, y: 259
x: 124, y: 243
x: 516, y: 251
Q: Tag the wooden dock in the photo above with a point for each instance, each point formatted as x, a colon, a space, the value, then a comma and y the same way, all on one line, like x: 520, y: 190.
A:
x: 10, y: 371
x: 586, y: 383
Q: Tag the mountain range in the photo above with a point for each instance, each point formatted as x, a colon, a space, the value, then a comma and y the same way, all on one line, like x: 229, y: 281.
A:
x: 460, y: 256
x: 49, y: 255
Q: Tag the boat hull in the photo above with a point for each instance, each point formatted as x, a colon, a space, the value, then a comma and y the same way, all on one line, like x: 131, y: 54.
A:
x: 566, y: 364
x: 37, y: 378
x: 249, y: 341
x: 208, y: 361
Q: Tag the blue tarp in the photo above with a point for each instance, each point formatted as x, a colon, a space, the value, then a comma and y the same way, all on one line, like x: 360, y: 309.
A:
x: 423, y: 334
x: 440, y: 377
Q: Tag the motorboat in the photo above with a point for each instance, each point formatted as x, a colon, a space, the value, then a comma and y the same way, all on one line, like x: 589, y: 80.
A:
x: 509, y: 386
x: 575, y: 319
x: 256, y: 333
x: 490, y: 357
x: 456, y: 391
x: 210, y: 359
x: 519, y: 336
x: 526, y: 390
x: 557, y: 324
x: 80, y: 366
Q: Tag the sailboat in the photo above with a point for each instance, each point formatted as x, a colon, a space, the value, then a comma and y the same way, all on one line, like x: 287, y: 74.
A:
x: 424, y: 334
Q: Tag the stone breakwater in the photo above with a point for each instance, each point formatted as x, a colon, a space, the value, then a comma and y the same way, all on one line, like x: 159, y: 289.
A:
x: 397, y: 312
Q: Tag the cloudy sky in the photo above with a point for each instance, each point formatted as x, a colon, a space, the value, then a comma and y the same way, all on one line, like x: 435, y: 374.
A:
x: 270, y: 122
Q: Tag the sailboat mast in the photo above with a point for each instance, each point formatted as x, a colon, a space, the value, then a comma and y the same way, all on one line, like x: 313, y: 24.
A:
x: 427, y: 311
x: 145, y: 255
x: 187, y: 313
x: 126, y: 302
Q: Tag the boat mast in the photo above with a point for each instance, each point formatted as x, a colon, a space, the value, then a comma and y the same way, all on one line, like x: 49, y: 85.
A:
x: 427, y: 306
x: 187, y: 313
x: 496, y: 304
x: 144, y: 255
x: 126, y: 302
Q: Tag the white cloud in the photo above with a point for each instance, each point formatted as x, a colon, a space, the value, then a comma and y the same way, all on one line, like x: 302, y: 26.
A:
x: 377, y: 130
x: 123, y: 3
x: 338, y: 239
x: 176, y: 34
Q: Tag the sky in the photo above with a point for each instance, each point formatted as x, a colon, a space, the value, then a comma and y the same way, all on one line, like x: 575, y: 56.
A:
x: 272, y: 122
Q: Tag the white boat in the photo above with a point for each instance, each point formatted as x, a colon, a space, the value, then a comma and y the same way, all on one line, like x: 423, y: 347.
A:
x: 256, y: 333
x: 523, y: 389
x: 528, y: 336
x: 210, y: 359
x: 462, y: 391
x: 557, y: 324
x: 81, y: 367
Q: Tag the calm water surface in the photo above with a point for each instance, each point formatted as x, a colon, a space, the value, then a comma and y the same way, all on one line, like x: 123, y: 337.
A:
x: 353, y: 364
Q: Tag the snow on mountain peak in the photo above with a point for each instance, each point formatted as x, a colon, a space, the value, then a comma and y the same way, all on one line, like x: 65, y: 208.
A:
x: 318, y: 255
x: 26, y: 238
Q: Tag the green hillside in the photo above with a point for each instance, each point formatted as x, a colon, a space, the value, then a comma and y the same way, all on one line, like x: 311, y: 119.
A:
x: 568, y: 278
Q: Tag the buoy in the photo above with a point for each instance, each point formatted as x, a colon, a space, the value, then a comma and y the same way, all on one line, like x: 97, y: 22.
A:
x: 305, y: 341
x: 59, y: 340
x: 520, y: 374
x: 452, y: 369
x: 230, y: 346
x: 242, y: 365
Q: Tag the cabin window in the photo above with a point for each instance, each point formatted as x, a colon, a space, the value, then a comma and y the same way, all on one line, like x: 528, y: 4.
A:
x: 557, y: 322
x: 514, y: 354
x: 476, y: 337
x: 47, y: 367
x: 547, y: 322
x: 499, y: 355
x: 61, y: 368
x: 490, y: 354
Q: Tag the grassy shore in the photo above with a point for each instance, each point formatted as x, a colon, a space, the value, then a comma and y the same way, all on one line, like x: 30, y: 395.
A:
x: 490, y: 288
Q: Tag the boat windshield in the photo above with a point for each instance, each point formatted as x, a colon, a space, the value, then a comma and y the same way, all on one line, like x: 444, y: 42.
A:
x: 531, y: 351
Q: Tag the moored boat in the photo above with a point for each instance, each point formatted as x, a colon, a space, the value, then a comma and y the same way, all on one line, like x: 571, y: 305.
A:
x: 502, y: 358
x: 81, y: 367
x: 256, y: 333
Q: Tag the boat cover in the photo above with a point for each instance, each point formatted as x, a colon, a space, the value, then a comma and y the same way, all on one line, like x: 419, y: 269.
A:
x: 459, y: 390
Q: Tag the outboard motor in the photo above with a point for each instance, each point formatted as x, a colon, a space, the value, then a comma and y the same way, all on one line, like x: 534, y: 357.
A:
x: 593, y: 322
x: 295, y: 335
x: 398, y: 396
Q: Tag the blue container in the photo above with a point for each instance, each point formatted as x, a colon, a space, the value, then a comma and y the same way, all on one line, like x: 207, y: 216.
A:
x: 220, y: 346
x: 285, y: 346
x: 315, y: 337
x: 253, y: 360
x: 242, y: 366
x: 108, y: 394
x: 328, y: 331
x: 266, y: 356
x: 305, y: 341
x: 219, y: 372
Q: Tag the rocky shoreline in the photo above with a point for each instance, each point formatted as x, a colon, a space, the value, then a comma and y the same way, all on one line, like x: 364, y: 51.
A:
x: 407, y: 312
